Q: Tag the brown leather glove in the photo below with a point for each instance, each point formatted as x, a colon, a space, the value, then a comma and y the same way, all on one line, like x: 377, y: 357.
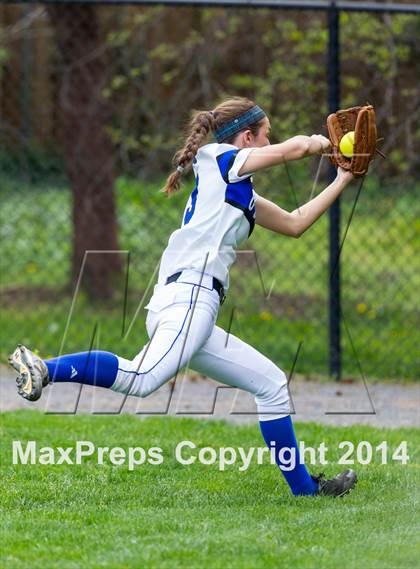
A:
x: 362, y: 121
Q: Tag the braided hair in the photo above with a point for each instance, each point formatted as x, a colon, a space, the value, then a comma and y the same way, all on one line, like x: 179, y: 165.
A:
x: 200, y: 126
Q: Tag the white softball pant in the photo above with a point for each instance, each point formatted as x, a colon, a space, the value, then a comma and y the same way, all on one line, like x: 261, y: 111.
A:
x: 181, y: 328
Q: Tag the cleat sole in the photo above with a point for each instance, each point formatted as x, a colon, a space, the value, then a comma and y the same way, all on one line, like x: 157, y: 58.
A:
x: 29, y: 386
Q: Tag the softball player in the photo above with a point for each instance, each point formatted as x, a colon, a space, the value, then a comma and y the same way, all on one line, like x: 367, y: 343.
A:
x: 194, y: 278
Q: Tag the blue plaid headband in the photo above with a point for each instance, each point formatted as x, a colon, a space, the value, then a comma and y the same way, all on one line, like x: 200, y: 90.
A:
x: 236, y: 125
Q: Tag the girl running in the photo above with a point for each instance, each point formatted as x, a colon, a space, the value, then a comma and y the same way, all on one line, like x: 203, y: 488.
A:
x: 194, y: 278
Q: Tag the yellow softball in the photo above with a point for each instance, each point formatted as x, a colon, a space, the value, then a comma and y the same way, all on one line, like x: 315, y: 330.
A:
x: 347, y: 144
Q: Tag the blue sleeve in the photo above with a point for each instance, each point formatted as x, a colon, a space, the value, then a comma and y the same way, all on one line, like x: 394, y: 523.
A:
x: 230, y: 163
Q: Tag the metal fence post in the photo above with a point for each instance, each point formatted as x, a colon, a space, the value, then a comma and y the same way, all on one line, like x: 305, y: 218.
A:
x: 25, y: 93
x: 334, y: 212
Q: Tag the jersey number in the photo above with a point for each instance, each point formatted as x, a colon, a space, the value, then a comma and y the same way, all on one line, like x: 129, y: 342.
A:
x: 190, y: 211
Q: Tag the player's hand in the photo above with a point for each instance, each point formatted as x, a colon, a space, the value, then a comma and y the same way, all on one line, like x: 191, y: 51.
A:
x: 344, y: 175
x: 319, y: 144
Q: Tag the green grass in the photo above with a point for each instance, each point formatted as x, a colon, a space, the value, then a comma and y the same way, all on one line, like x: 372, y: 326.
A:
x: 381, y: 347
x: 173, y: 516
x: 379, y: 273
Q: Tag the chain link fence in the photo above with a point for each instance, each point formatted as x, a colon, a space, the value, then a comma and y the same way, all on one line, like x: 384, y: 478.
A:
x: 93, y: 102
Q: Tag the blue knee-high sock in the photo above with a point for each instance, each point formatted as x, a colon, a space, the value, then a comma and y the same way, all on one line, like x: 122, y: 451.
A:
x: 280, y: 431
x: 93, y: 368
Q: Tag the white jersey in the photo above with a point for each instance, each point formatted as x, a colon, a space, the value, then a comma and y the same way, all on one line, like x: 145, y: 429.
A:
x: 219, y: 215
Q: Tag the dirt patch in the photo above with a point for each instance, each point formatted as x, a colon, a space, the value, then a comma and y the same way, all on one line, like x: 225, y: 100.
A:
x: 390, y: 405
x: 33, y: 294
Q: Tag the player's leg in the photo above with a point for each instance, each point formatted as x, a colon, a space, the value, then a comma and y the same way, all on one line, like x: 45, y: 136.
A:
x: 240, y: 365
x: 228, y: 359
x: 176, y: 332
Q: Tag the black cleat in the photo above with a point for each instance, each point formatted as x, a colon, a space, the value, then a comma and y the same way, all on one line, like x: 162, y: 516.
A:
x: 337, y: 486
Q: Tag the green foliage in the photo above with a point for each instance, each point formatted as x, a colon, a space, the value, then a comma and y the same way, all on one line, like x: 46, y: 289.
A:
x: 163, y: 62
x: 31, y: 163
x: 379, y: 274
x: 277, y: 58
x: 4, y: 52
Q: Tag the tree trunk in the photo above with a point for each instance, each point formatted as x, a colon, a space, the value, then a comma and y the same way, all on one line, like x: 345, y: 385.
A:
x: 87, y: 148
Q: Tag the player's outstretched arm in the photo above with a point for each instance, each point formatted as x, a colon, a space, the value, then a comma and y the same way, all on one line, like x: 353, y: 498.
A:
x: 295, y: 223
x: 292, y: 149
